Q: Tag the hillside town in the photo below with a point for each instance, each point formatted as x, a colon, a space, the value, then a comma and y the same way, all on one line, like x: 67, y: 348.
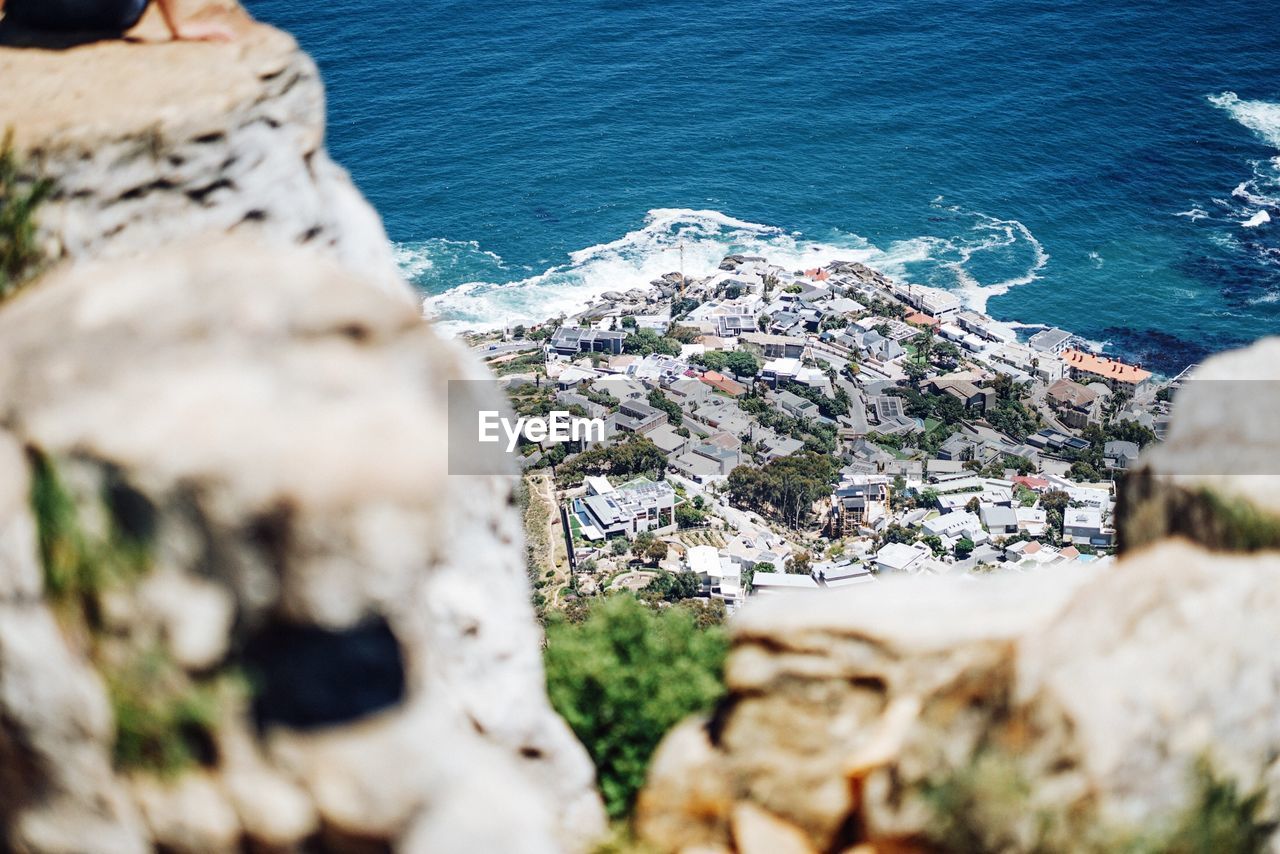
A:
x: 773, y: 432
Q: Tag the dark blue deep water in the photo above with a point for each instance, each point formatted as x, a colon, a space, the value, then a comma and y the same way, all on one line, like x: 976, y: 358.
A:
x: 1106, y: 167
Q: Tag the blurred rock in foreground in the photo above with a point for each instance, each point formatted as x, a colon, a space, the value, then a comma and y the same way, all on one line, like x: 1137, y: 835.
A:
x: 1216, y: 477
x: 1021, y: 714
x: 250, y: 445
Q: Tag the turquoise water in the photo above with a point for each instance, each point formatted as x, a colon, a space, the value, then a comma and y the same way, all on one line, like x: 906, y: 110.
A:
x: 1089, y: 165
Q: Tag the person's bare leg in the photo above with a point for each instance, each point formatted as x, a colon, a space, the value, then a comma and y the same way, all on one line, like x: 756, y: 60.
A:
x: 193, y: 30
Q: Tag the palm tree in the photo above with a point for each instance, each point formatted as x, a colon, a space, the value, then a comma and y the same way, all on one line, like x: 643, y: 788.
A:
x: 925, y: 347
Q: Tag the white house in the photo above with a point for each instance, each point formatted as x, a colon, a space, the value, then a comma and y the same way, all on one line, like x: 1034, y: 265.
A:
x: 627, y: 510
x: 1085, y: 526
x: 900, y: 557
x: 717, y: 570
x: 956, y: 524
x: 773, y: 583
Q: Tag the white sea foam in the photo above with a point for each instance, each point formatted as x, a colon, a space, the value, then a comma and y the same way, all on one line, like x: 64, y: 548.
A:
x: 1195, y: 214
x: 1261, y: 117
x: 1000, y: 234
x: 414, y: 260
x: 1260, y: 218
x: 670, y: 236
x: 700, y: 239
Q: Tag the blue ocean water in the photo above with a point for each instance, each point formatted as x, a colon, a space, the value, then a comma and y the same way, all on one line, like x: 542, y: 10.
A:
x: 1112, y: 168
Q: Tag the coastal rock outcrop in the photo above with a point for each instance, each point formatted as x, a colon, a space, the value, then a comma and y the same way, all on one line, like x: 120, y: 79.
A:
x: 1017, y: 714
x: 151, y: 143
x: 239, y: 480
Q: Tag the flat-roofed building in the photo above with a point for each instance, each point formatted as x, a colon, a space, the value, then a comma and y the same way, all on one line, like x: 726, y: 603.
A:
x: 641, y: 505
x: 1054, y: 341
x: 567, y: 341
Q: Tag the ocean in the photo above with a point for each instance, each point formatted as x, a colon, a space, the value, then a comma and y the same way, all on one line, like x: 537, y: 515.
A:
x: 1110, y: 168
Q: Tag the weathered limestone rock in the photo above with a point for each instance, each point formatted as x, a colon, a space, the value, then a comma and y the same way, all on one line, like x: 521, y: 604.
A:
x: 148, y: 143
x: 757, y: 832
x: 1215, y: 478
x: 189, y: 816
x: 1050, y: 712
x: 278, y: 432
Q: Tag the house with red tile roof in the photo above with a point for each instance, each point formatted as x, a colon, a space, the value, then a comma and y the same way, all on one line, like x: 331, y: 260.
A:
x: 720, y: 382
x: 1087, y: 367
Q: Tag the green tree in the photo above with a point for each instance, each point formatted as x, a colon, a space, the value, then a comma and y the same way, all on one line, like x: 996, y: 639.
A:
x: 916, y: 372
x: 646, y: 341
x: 896, y: 533
x: 742, y: 364
x: 963, y: 548
x: 713, y: 360
x: 655, y: 551
x: 632, y: 456
x: 689, y: 516
x: 785, y: 488
x: 658, y: 400
x: 707, y: 614
x: 801, y: 563
x: 675, y: 586
x: 1055, y: 499
x: 626, y: 675
x: 642, y: 541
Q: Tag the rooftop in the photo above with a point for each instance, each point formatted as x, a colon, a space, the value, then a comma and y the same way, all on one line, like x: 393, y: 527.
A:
x: 1111, y: 369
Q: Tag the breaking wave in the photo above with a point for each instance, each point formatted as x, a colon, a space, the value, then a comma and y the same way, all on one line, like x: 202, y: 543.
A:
x: 1252, y: 198
x: 469, y: 288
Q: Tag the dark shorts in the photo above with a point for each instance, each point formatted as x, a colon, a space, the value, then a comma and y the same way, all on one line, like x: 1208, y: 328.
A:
x: 75, y: 16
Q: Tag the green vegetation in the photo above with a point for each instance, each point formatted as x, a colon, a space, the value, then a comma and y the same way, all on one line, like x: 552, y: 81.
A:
x: 1010, y: 415
x: 786, y: 488
x: 77, y: 566
x: 1220, y: 820
x: 164, y: 720
x: 528, y: 362
x: 817, y: 437
x: 801, y: 563
x: 829, y: 407
x: 20, y: 255
x: 983, y: 807
x: 658, y: 400
x: 742, y: 364
x: 1230, y: 523
x: 690, y: 516
x: 632, y: 456
x: 624, y: 676
x: 537, y: 543
x: 649, y: 548
x: 674, y: 586
x: 646, y: 341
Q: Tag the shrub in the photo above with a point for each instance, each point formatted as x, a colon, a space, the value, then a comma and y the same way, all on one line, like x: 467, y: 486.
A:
x: 164, y: 721
x: 625, y: 676
x: 20, y: 255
